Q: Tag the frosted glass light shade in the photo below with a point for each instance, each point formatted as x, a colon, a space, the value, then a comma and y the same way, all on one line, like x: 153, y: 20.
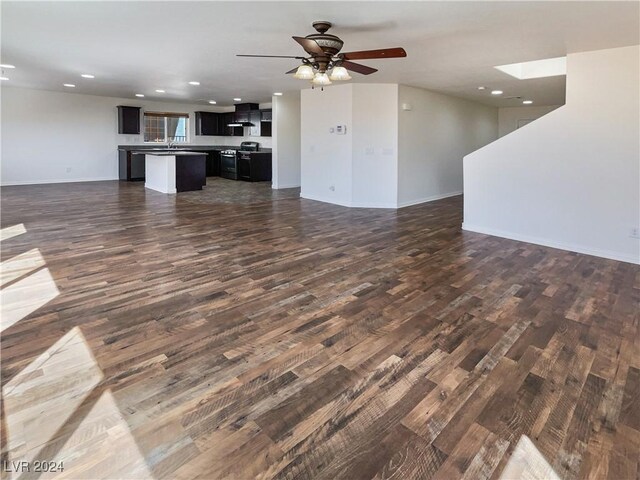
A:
x: 321, y: 79
x: 304, y: 72
x: 339, y: 74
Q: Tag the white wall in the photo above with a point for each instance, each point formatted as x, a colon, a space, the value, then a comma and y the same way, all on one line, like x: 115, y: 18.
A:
x: 286, y: 140
x: 358, y: 169
x: 389, y: 157
x: 51, y: 137
x: 326, y: 164
x: 433, y: 138
x: 570, y: 179
x: 510, y: 117
x: 375, y: 145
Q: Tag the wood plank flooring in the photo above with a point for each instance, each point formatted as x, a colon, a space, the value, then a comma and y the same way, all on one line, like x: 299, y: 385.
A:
x: 185, y: 337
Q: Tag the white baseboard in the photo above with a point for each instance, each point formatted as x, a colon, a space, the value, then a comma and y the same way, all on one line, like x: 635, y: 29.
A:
x: 381, y: 205
x: 374, y: 205
x: 325, y: 200
x: 347, y: 204
x: 621, y: 257
x: 428, y: 199
x: 66, y: 180
x: 280, y: 187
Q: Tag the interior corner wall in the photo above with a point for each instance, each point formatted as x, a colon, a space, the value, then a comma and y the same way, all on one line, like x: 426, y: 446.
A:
x: 571, y: 179
x: 52, y: 137
x: 286, y: 140
x: 433, y: 137
x: 512, y: 118
x: 326, y: 157
x: 357, y: 168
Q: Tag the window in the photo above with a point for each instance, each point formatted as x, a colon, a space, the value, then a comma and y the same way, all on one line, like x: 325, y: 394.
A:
x: 166, y: 127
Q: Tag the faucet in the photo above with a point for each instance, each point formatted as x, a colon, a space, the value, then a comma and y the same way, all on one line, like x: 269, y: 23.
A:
x: 172, y: 144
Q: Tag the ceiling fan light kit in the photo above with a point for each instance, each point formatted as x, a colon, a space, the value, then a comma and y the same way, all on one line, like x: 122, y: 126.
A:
x: 339, y: 74
x: 321, y: 79
x: 304, y: 72
x: 323, y: 50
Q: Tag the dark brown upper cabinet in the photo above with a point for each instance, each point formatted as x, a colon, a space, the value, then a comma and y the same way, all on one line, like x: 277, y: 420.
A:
x: 241, y: 117
x: 266, y: 115
x: 246, y: 107
x: 254, y: 118
x: 209, y: 123
x: 265, y: 123
x: 128, y: 120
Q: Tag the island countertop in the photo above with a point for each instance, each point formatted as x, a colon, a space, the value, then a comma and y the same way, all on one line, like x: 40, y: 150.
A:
x: 164, y: 153
x: 193, y: 147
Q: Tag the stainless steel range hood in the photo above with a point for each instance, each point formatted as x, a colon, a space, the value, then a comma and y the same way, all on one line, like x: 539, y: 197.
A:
x: 241, y: 115
x: 240, y: 124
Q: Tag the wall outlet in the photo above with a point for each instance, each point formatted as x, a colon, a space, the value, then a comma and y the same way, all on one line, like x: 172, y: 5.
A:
x: 368, y: 151
x: 634, y: 232
x: 68, y: 169
x: 332, y: 188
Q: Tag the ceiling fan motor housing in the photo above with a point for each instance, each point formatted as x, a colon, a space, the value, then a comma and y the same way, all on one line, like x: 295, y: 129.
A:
x: 330, y: 44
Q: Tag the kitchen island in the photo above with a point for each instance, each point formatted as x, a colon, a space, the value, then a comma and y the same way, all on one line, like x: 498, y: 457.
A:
x: 131, y: 157
x: 172, y: 171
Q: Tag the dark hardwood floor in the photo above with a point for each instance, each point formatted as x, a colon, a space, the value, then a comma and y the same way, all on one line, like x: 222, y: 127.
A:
x: 150, y: 335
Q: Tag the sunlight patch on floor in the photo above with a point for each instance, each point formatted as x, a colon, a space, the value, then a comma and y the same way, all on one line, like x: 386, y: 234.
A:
x: 25, y: 296
x: 20, y: 265
x: 12, y: 231
x: 41, y: 398
x: 527, y: 463
x: 23, y: 292
x: 101, y: 447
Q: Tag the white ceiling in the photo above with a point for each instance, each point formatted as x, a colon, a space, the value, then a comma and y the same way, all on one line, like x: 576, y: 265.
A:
x: 137, y: 47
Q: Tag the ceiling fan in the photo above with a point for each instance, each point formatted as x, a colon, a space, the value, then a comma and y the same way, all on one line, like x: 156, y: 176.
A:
x: 323, y: 55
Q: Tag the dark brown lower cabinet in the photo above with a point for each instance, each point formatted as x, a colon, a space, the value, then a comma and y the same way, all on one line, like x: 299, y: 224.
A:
x: 131, y: 166
x: 213, y: 163
x: 190, y: 172
x: 254, y: 166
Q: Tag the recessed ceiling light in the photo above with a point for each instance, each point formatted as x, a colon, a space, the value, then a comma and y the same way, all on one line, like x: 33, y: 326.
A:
x: 139, y: 95
x: 4, y: 78
x: 212, y: 102
x: 278, y: 94
x: 86, y: 75
x: 6, y: 65
x: 194, y: 83
x: 237, y: 99
x: 159, y: 91
x: 496, y: 92
x: 70, y: 85
x: 527, y: 102
x: 482, y: 88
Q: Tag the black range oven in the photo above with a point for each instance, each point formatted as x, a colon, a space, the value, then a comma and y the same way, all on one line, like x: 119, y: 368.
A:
x: 229, y: 159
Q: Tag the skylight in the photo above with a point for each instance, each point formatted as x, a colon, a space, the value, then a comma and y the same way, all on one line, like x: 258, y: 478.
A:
x: 549, y: 67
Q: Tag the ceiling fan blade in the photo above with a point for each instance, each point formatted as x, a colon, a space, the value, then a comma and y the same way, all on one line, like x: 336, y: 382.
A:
x: 356, y: 67
x: 310, y: 46
x: 369, y: 54
x: 293, y: 70
x: 270, y: 56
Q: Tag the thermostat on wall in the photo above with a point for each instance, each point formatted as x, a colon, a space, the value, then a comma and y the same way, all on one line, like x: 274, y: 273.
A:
x: 341, y: 130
